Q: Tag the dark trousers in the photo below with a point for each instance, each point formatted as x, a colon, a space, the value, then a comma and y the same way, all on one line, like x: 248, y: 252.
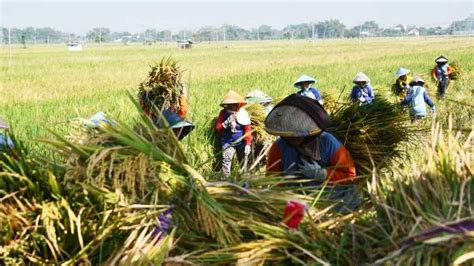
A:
x: 442, y: 87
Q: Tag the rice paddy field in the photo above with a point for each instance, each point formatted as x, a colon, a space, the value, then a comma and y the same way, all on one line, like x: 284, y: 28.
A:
x: 99, y: 203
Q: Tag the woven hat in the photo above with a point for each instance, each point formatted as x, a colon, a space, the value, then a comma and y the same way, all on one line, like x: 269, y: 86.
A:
x: 303, y: 78
x: 4, y: 124
x: 402, y: 72
x: 258, y: 96
x: 361, y: 77
x: 416, y: 79
x: 176, y: 122
x: 441, y: 59
x: 297, y: 116
x: 232, y: 97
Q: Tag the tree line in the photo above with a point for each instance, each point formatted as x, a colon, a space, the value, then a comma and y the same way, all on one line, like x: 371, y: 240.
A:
x: 332, y: 28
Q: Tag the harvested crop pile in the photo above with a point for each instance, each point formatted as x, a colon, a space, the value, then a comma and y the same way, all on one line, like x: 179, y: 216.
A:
x: 372, y: 133
x: 162, y: 89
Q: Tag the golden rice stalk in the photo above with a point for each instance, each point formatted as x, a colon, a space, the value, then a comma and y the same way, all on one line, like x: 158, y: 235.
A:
x: 162, y: 88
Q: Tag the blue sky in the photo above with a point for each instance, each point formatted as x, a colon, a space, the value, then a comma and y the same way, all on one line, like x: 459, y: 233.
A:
x: 80, y: 16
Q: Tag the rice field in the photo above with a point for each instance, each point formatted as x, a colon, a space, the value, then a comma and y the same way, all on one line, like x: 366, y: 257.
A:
x: 98, y: 202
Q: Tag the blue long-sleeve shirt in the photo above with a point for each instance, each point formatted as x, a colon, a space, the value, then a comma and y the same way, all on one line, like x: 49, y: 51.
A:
x: 416, y: 98
x: 312, y: 93
x: 365, y: 94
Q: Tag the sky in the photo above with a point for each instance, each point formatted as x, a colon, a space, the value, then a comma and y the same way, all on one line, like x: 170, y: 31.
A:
x: 79, y: 17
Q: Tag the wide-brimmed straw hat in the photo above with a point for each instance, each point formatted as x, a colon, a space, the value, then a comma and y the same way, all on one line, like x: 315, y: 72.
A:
x: 417, y: 79
x: 4, y: 124
x: 360, y: 77
x: 402, y: 72
x: 258, y: 96
x: 232, y: 97
x: 297, y: 116
x: 441, y: 59
x: 302, y: 79
x: 176, y: 122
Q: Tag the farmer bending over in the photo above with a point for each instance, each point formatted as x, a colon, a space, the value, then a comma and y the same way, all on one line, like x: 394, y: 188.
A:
x: 362, y: 92
x: 304, y: 83
x: 401, y: 85
x: 305, y: 150
x: 234, y: 126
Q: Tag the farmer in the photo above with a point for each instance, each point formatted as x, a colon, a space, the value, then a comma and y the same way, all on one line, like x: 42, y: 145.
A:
x: 6, y: 143
x: 180, y: 108
x: 233, y: 124
x: 416, y: 98
x: 441, y: 73
x: 305, y: 150
x: 259, y: 97
x: 362, y: 92
x: 304, y: 84
x: 401, y: 85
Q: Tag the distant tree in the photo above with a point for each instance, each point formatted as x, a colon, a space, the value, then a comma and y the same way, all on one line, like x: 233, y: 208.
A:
x: 99, y: 35
x: 462, y: 25
x: 264, y: 32
x: 23, y: 40
x: 298, y: 31
x: 330, y: 29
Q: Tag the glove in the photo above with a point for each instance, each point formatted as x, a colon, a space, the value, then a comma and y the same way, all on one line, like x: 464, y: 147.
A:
x: 433, y: 109
x: 247, y: 149
x: 312, y: 170
x: 226, y: 123
x: 362, y: 99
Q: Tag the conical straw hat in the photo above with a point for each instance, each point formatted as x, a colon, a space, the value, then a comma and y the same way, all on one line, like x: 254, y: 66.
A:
x: 361, y: 77
x: 258, y: 96
x: 297, y: 116
x: 416, y: 79
x: 402, y: 72
x: 441, y: 59
x: 304, y: 78
x: 232, y: 97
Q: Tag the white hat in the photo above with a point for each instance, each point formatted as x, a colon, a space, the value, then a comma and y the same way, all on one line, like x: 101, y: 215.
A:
x: 304, y: 78
x: 402, y: 72
x: 417, y: 79
x: 441, y: 59
x: 361, y: 77
x: 258, y: 96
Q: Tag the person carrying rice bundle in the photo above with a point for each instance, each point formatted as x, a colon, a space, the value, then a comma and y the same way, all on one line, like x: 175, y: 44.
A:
x: 162, y: 89
x: 259, y: 97
x: 362, y: 92
x: 304, y: 149
x: 441, y: 73
x: 401, y: 85
x: 416, y: 98
x: 234, y: 126
x: 304, y: 83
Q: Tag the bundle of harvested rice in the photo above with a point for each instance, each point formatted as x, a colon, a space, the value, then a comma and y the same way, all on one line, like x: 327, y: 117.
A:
x: 372, y: 133
x: 257, y: 115
x: 457, y: 70
x: 162, y: 89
